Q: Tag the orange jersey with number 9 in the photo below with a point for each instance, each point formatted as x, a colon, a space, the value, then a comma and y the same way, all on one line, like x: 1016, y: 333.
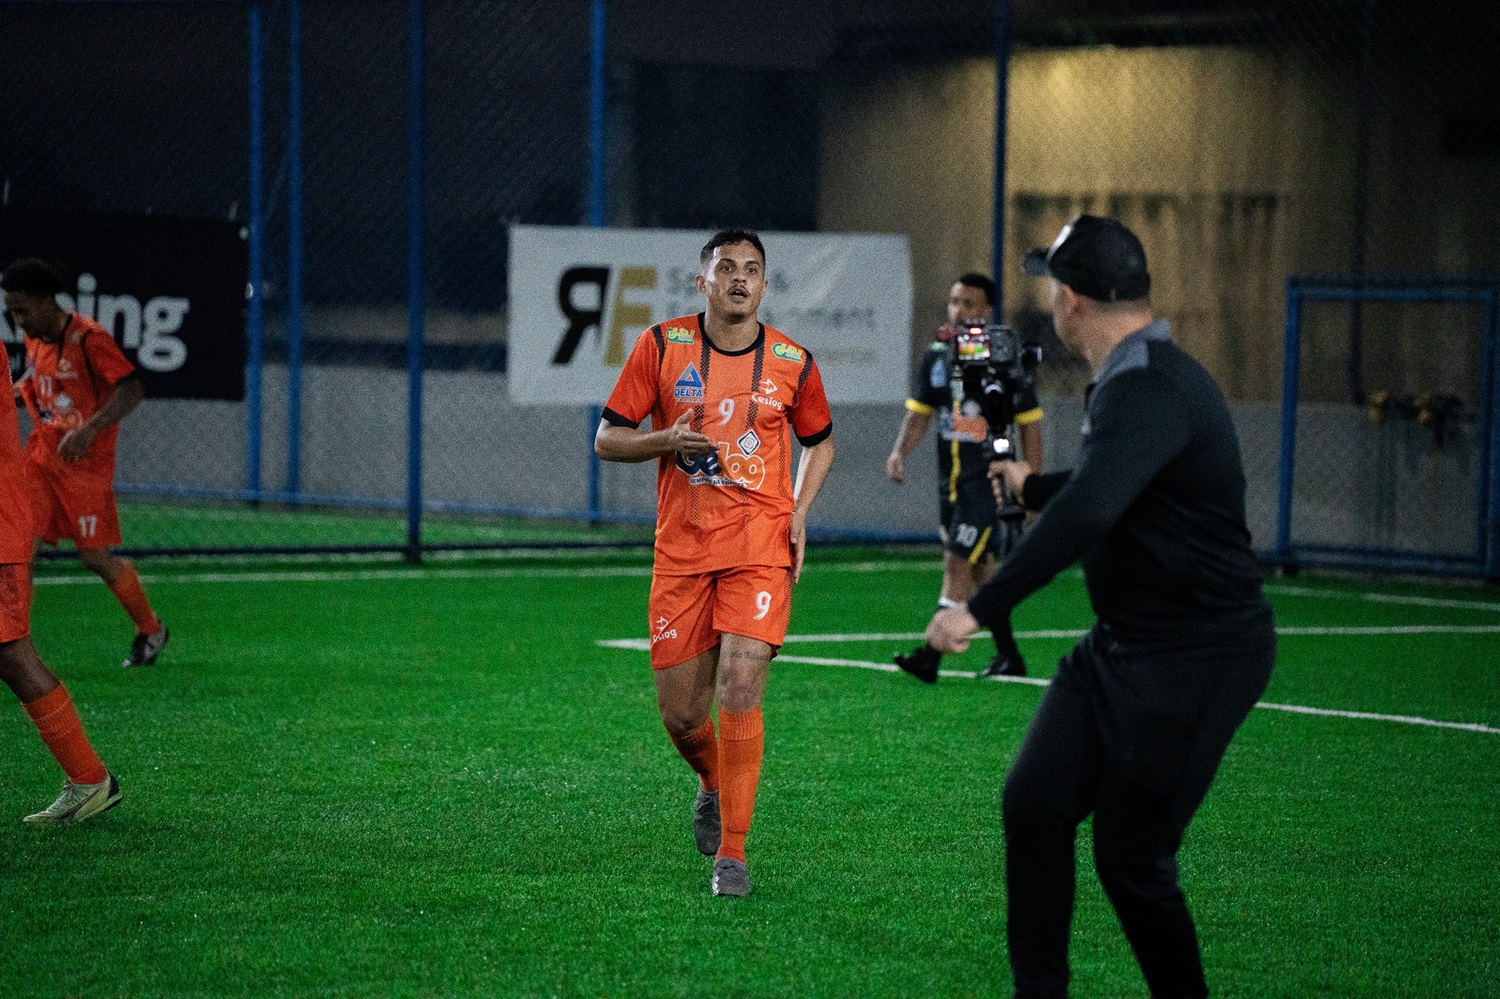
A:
x: 732, y: 507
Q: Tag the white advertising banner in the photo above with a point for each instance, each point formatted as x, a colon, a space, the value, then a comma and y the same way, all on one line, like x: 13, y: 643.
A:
x: 580, y: 297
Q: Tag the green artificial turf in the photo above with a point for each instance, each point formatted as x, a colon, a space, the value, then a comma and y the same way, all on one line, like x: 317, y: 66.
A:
x: 368, y: 779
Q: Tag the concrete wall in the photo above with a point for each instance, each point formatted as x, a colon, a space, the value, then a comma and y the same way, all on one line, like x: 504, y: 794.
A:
x: 1235, y: 165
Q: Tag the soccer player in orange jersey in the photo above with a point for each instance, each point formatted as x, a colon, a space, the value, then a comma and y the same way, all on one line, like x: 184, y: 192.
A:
x: 90, y: 788
x: 725, y: 394
x: 77, y: 387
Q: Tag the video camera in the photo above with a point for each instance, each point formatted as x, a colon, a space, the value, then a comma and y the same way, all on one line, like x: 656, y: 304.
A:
x: 995, y: 367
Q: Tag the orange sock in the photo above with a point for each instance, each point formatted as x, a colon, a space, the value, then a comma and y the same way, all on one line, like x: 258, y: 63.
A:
x: 128, y: 590
x: 701, y: 750
x: 57, y: 722
x: 742, y: 740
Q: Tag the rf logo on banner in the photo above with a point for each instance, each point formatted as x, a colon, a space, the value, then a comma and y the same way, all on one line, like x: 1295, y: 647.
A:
x: 619, y: 316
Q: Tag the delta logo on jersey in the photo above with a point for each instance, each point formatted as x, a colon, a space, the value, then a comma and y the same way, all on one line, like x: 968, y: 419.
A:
x: 723, y: 468
x: 689, y: 386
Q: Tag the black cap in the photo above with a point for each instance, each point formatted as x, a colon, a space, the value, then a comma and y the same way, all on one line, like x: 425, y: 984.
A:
x: 1097, y: 257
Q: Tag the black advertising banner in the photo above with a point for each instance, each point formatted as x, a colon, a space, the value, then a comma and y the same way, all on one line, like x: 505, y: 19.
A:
x: 171, y: 290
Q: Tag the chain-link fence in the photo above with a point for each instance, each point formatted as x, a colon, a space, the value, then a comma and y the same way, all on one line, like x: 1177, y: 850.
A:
x: 1244, y: 142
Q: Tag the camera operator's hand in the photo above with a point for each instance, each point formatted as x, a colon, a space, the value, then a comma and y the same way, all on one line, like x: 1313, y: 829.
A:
x: 684, y: 440
x: 1009, y: 477
x: 950, y: 629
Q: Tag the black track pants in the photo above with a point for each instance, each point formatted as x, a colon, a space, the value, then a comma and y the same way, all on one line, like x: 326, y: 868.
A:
x: 1133, y: 737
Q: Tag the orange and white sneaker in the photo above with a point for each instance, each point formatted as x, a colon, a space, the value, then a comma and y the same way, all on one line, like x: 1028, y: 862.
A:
x: 80, y: 801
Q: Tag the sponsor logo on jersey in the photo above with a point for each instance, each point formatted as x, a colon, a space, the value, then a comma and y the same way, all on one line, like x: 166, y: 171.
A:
x: 767, y: 389
x: 65, y: 369
x: 676, y: 334
x: 725, y: 468
x: 749, y: 442
x: 964, y: 426
x: 786, y: 351
x: 662, y: 631
x: 689, y: 386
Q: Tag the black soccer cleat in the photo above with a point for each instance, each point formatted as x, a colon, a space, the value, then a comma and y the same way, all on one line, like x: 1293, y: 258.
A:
x: 1004, y: 665
x: 921, y: 663
x: 145, y: 648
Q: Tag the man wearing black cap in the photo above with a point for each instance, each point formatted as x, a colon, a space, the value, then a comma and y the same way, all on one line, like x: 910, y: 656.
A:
x: 1140, y: 712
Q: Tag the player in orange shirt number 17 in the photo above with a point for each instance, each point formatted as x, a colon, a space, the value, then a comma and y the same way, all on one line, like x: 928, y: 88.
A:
x: 77, y: 387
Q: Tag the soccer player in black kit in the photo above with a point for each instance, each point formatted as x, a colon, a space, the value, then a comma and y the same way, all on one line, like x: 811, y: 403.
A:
x: 1140, y: 712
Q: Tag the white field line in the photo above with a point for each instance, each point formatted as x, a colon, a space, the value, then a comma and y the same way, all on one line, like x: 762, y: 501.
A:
x: 643, y: 645
x: 1382, y: 598
x: 1363, y: 630
x: 1370, y: 716
x: 365, y: 575
x: 543, y: 572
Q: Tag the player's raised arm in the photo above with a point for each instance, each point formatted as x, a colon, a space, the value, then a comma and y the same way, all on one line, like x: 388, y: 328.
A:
x: 632, y: 444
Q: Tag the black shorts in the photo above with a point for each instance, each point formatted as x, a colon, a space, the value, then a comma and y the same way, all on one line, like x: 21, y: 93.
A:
x: 970, y: 525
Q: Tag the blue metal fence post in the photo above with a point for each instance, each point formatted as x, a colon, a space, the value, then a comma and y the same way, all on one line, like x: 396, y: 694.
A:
x: 415, y: 300
x: 1489, y: 422
x: 255, y: 320
x: 1002, y: 103
x: 596, y: 214
x: 1290, y: 377
x: 294, y: 250
x: 596, y: 116
x: 596, y: 513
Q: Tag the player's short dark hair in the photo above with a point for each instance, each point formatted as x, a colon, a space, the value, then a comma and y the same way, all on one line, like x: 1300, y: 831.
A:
x: 32, y: 276
x: 724, y: 237
x: 974, y: 279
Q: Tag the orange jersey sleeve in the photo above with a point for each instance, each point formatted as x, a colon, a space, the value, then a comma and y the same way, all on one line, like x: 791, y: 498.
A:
x: 106, y: 362
x: 635, y: 392
x: 811, y: 419
x: 15, y: 502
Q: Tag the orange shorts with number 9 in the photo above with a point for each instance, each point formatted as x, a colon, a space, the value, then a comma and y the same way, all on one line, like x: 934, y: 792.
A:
x: 689, y: 613
x: 15, y: 601
x: 76, y: 506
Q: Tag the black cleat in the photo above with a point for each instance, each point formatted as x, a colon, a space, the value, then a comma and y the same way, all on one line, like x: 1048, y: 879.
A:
x: 145, y: 648
x: 708, y: 828
x: 922, y: 663
x: 1004, y: 665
